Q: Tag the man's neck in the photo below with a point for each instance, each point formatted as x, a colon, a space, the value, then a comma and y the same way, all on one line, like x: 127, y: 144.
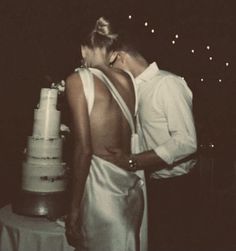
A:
x: 138, y: 65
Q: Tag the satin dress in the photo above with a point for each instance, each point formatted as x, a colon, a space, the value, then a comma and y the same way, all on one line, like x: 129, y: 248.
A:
x: 112, y: 206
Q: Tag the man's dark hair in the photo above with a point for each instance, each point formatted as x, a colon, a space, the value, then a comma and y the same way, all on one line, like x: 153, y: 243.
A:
x: 135, y: 41
x: 132, y: 42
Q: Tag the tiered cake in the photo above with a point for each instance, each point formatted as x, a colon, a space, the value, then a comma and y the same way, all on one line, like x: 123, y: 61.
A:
x: 43, y: 172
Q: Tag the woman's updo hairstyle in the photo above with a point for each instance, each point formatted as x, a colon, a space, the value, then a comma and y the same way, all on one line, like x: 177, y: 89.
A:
x: 102, y: 36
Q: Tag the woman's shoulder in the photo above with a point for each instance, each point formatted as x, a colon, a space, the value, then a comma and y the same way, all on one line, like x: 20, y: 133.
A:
x: 121, y: 75
x: 73, y: 80
x: 112, y: 73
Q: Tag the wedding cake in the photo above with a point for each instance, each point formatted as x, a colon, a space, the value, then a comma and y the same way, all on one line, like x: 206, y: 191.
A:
x: 44, y: 182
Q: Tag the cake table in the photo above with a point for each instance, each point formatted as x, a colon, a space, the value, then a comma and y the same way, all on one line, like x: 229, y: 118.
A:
x: 21, y: 233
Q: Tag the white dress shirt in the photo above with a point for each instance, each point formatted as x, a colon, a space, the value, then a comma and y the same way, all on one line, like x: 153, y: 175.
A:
x: 165, y: 113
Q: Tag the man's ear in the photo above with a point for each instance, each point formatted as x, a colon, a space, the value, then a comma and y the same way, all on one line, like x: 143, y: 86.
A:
x: 113, y: 57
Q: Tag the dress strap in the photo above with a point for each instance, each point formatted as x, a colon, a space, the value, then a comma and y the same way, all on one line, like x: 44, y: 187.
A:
x: 88, y: 85
x: 135, y: 90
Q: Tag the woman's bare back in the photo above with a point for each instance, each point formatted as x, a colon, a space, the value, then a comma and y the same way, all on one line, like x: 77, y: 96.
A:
x: 109, y: 127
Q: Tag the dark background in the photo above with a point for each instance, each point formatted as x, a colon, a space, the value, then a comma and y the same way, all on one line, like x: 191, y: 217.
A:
x: 40, y: 43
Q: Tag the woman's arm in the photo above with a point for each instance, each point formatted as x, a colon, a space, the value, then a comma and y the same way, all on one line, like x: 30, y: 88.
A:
x: 82, y: 151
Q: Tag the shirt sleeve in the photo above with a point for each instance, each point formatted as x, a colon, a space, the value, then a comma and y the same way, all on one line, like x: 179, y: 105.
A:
x: 175, y: 99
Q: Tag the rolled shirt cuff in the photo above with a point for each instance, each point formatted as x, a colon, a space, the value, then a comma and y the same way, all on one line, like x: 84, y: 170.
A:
x: 164, y: 155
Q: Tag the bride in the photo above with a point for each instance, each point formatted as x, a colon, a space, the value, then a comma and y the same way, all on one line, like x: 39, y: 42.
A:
x: 107, y: 202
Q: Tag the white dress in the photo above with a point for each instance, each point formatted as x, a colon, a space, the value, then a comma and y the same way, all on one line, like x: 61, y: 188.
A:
x: 112, y: 206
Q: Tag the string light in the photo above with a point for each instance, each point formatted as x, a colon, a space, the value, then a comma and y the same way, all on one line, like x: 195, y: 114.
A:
x: 193, y: 51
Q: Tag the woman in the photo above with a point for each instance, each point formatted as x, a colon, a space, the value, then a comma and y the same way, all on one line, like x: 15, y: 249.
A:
x: 107, y: 202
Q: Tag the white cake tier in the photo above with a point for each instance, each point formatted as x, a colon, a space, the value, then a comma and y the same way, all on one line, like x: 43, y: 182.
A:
x: 44, y: 177
x: 44, y: 149
x: 48, y: 98
x: 46, y: 123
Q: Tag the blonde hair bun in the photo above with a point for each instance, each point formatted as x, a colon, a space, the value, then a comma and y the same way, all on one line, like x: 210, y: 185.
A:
x: 103, y: 27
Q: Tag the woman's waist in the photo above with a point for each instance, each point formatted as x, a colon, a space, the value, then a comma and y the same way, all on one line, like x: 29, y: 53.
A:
x: 108, y: 149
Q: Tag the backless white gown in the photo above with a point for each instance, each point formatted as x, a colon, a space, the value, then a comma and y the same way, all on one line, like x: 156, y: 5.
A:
x: 112, y: 206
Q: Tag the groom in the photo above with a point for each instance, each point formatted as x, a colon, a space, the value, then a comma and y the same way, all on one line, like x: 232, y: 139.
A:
x: 168, y: 133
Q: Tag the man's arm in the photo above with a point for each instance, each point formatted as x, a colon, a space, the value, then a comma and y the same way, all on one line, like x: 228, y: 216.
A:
x: 147, y: 160
x: 82, y: 151
x: 175, y: 100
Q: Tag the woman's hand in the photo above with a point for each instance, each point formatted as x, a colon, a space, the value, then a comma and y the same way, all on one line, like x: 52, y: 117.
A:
x: 72, y: 230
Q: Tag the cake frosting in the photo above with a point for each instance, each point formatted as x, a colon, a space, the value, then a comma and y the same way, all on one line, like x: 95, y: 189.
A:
x: 46, y: 123
x: 43, y: 170
x: 49, y: 149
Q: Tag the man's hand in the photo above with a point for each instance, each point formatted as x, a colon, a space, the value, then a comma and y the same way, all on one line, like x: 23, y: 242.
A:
x: 117, y: 157
x: 147, y: 160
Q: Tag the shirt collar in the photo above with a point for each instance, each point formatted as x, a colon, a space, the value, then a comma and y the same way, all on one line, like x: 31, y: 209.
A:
x: 148, y: 73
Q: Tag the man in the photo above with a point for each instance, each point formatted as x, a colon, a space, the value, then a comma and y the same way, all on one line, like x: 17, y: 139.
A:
x: 168, y: 133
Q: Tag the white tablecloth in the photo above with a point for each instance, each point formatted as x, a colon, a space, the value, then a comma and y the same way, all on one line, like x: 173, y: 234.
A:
x: 20, y: 233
